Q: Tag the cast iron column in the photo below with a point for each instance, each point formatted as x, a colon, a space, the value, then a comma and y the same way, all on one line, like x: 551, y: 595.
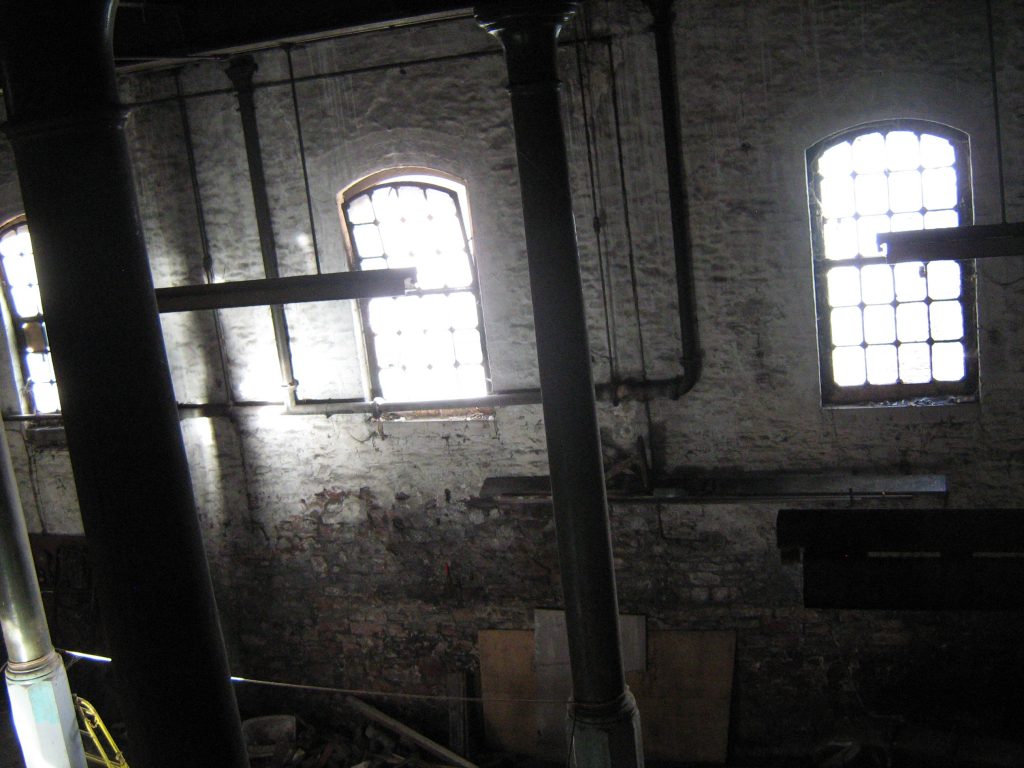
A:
x: 67, y: 130
x: 605, y: 724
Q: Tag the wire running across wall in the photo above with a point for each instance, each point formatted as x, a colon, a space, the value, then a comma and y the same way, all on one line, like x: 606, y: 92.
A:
x: 584, y: 79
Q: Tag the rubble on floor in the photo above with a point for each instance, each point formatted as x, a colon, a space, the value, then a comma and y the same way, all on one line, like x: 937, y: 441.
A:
x: 370, y: 739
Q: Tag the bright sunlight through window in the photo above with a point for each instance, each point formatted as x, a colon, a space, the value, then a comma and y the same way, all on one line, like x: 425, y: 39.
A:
x: 901, y: 329
x: 427, y: 345
x: 26, y: 311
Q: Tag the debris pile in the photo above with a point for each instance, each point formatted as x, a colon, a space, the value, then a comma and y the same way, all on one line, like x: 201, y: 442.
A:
x: 370, y: 739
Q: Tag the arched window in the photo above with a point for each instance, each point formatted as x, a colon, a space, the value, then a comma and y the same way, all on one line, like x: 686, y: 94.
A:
x: 428, y: 344
x: 891, y: 333
x: 21, y: 292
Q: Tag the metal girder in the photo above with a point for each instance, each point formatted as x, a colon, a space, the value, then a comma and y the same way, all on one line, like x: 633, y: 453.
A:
x: 986, y: 241
x: 285, y: 290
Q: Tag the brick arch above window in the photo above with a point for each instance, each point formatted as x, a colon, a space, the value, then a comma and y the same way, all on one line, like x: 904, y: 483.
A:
x: 891, y: 334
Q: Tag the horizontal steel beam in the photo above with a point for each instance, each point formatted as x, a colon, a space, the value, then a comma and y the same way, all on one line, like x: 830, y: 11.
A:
x: 976, y: 242
x: 285, y: 290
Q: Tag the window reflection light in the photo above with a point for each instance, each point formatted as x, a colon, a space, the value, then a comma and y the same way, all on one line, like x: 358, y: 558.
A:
x: 889, y: 324
x: 427, y: 345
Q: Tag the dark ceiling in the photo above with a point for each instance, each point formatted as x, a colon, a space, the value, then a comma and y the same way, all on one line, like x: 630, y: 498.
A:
x: 155, y: 30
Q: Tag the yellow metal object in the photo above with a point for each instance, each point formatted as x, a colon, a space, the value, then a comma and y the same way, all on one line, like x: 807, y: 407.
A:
x: 92, y: 726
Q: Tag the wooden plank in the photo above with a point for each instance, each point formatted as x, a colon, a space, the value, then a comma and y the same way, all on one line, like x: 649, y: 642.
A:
x: 684, y: 697
x: 506, y: 672
x: 458, y: 712
x: 407, y: 734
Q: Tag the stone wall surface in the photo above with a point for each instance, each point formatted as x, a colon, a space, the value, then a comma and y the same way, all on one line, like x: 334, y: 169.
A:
x: 355, y: 552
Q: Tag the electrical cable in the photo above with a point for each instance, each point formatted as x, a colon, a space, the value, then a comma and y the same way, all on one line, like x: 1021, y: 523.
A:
x: 366, y: 693
x: 611, y: 336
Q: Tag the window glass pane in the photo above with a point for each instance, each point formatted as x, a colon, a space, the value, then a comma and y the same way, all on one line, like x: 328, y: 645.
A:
x: 438, y: 348
x: 35, y: 337
x: 936, y: 152
x: 413, y: 203
x: 367, y: 242
x: 902, y: 151
x: 415, y: 353
x: 395, y: 383
x: 388, y: 347
x: 394, y: 313
x: 912, y: 322
x: 910, y: 282
x: 879, y: 324
x: 872, y: 194
x: 907, y: 222
x: 20, y: 266
x: 869, y: 153
x: 360, y: 210
x: 848, y: 366
x: 837, y: 197
x: 458, y: 272
x: 434, y: 312
x: 40, y: 369
x: 943, y: 280
x: 471, y: 380
x: 44, y: 397
x: 841, y: 238
x: 914, y: 363
x: 947, y: 320
x: 948, y: 361
x: 441, y: 203
x: 876, y: 280
x: 26, y: 300
x: 837, y: 160
x: 16, y: 242
x: 868, y: 229
x: 941, y: 219
x: 467, y: 347
x: 905, y: 191
x: 366, y: 264
x: 843, y: 286
x: 881, y: 362
x: 847, y: 326
x: 462, y: 310
x: 385, y: 205
x: 939, y: 188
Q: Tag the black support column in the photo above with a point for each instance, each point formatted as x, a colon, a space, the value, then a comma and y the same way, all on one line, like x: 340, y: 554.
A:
x: 605, y: 724
x: 67, y: 131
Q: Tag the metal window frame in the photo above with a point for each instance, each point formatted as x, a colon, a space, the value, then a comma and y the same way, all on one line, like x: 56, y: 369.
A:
x: 930, y: 393
x: 443, y: 182
x: 16, y: 333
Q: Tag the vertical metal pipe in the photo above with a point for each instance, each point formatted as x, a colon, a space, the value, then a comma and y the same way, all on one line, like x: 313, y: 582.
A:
x: 67, y: 132
x: 604, y: 711
x: 241, y: 71
x: 689, y: 333
x: 26, y: 633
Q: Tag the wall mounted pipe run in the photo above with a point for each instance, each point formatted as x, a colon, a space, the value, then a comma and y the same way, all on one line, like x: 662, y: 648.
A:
x: 241, y: 70
x: 605, y: 722
x: 689, y: 334
x: 131, y: 472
